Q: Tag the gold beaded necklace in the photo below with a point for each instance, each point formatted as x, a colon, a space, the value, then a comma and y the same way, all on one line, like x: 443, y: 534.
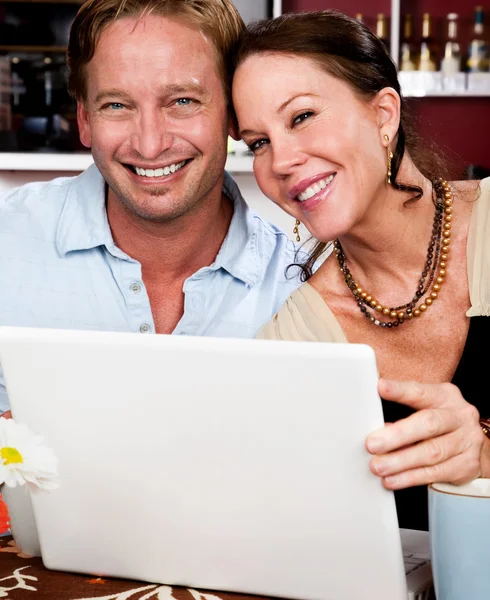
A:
x: 433, y: 274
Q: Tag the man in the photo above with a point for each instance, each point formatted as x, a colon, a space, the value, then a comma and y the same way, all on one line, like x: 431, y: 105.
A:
x: 155, y: 238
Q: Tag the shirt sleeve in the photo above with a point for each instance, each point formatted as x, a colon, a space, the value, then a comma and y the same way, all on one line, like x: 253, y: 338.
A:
x: 4, y: 401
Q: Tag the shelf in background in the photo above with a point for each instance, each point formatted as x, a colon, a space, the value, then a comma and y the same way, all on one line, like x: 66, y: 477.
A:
x: 448, y: 94
x: 46, y: 161
x: 239, y: 163
x: 43, y: 1
x: 49, y: 49
x: 421, y: 84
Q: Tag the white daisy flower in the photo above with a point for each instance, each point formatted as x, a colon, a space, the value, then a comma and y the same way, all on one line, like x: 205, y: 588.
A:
x: 24, y: 459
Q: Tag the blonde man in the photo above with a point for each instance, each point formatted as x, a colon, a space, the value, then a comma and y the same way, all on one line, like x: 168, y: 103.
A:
x: 155, y: 237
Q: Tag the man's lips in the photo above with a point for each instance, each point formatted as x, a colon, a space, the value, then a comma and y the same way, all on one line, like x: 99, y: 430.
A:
x: 156, y: 171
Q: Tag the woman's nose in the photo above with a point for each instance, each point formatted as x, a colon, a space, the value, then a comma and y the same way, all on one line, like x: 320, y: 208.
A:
x: 286, y: 156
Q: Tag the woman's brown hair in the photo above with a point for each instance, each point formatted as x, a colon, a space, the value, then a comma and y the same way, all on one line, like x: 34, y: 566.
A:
x: 349, y: 51
x: 219, y: 20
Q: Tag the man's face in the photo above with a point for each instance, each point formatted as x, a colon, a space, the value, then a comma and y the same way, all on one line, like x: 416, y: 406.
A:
x: 155, y: 116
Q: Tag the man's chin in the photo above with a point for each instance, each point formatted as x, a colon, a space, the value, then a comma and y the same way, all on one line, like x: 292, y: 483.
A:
x: 156, y: 206
x: 156, y: 191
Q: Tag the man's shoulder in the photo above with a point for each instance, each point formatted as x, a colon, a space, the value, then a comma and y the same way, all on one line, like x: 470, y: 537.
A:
x: 256, y: 247
x: 41, y: 204
x: 39, y: 196
x: 280, y: 258
x: 275, y: 242
x: 272, y: 235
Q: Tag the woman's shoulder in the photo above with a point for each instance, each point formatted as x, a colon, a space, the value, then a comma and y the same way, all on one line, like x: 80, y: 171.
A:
x: 304, y: 317
x: 478, y: 249
x: 485, y: 189
x: 472, y: 189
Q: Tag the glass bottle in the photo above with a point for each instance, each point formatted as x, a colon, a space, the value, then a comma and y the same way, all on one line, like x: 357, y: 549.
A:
x: 451, y: 63
x: 478, y: 56
x: 428, y: 46
x: 408, y: 52
x: 382, y: 29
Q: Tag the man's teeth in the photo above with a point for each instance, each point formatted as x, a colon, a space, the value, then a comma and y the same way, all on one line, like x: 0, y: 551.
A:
x: 159, y: 172
x: 315, y: 188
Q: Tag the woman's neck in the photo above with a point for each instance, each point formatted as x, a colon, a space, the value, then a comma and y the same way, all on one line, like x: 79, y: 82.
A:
x: 387, y: 251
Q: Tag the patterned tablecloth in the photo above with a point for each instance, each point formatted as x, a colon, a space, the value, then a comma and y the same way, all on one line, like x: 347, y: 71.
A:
x: 25, y: 578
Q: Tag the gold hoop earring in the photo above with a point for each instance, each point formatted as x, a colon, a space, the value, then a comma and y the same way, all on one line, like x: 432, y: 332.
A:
x: 390, y: 158
x: 296, y: 230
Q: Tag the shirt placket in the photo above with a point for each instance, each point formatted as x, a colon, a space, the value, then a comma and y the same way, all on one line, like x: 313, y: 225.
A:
x: 130, y: 282
x: 194, y: 304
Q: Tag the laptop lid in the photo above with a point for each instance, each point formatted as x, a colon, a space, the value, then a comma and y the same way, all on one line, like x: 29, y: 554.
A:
x: 238, y: 465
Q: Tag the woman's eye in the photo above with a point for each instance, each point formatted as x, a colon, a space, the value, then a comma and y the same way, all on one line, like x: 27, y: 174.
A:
x: 301, y: 117
x: 254, y: 146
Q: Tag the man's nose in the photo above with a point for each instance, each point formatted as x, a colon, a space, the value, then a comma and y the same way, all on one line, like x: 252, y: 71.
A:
x: 152, y: 135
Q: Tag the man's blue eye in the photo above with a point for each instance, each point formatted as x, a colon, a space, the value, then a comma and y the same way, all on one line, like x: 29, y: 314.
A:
x: 116, y: 105
x: 184, y: 101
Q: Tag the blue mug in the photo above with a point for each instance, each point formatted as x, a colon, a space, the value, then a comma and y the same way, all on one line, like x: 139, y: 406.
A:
x: 459, y: 524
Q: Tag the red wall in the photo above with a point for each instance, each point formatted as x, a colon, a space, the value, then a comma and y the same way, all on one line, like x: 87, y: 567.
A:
x: 460, y: 126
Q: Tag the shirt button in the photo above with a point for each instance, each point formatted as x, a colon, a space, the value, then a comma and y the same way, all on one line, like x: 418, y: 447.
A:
x: 135, y: 288
x: 145, y: 328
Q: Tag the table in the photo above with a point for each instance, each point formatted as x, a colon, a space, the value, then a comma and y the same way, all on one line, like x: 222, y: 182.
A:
x: 26, y: 578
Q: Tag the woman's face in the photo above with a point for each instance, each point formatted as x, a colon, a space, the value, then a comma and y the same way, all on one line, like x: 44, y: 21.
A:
x: 318, y: 148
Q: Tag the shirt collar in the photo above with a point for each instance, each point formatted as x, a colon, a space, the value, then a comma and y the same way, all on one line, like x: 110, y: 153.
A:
x: 239, y: 254
x: 83, y: 222
x: 84, y: 225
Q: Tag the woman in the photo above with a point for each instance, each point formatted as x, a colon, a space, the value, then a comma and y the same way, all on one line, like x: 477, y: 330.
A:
x: 318, y: 103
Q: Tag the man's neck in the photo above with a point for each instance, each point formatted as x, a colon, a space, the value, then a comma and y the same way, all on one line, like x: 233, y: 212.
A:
x: 171, y: 251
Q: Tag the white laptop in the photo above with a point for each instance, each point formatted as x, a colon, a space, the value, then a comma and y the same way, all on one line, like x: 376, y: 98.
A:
x: 219, y: 464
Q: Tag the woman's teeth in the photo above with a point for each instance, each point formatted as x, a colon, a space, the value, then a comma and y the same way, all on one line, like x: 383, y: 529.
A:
x: 159, y: 172
x: 314, y: 189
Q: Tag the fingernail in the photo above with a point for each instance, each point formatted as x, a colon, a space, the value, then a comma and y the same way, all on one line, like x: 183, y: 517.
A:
x: 374, y: 445
x: 392, y: 481
x: 380, y: 466
x: 391, y: 383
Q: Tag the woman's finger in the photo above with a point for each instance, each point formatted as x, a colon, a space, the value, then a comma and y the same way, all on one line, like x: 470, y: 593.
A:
x: 427, y: 453
x: 419, y: 395
x: 458, y: 470
x: 440, y: 409
x: 420, y: 426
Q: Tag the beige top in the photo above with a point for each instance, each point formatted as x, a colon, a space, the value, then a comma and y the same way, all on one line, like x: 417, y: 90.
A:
x: 307, y: 317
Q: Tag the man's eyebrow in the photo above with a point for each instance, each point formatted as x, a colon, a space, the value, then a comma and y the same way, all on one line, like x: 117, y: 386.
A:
x: 183, y: 88
x: 108, y: 94
x: 167, y: 90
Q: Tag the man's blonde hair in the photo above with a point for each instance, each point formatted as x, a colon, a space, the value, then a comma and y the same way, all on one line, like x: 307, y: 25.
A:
x: 219, y: 20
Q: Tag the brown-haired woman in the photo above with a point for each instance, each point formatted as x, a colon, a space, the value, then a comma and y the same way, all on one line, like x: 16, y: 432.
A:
x: 318, y: 102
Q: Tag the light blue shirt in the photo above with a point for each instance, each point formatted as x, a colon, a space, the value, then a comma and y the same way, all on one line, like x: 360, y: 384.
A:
x: 60, y: 267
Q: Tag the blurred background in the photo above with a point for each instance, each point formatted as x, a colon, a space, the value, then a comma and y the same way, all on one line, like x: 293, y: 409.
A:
x: 441, y: 47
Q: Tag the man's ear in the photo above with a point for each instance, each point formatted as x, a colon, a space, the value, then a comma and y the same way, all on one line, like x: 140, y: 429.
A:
x: 83, y: 121
x: 233, y: 126
x: 387, y: 105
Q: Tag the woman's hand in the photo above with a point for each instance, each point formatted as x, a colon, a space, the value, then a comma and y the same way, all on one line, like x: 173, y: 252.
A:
x: 6, y: 415
x: 442, y: 441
